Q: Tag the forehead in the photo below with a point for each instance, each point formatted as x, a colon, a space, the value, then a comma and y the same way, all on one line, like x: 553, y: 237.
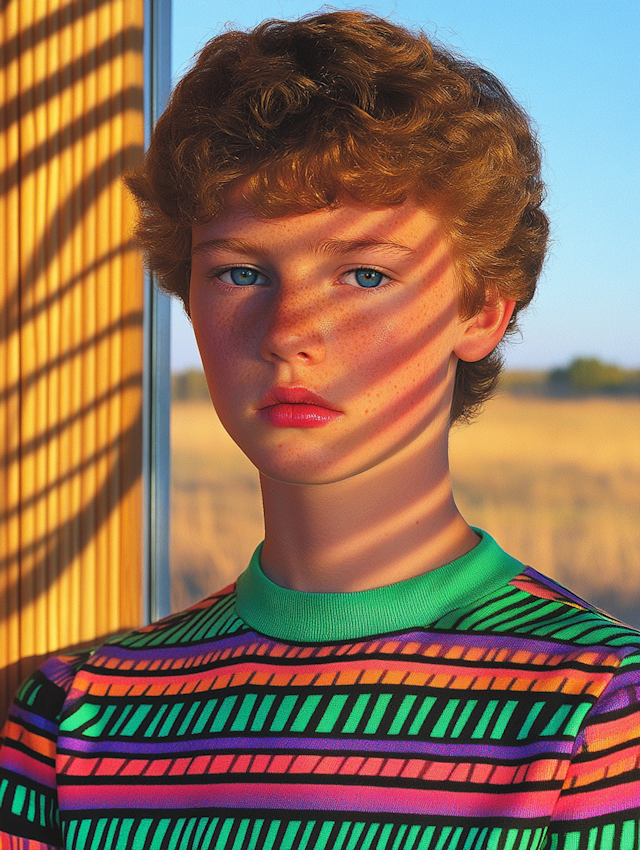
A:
x: 403, y: 229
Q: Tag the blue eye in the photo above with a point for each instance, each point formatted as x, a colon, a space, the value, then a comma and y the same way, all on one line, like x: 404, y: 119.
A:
x: 243, y: 276
x: 369, y: 277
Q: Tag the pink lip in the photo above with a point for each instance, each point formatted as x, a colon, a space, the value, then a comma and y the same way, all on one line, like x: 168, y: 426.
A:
x: 296, y: 407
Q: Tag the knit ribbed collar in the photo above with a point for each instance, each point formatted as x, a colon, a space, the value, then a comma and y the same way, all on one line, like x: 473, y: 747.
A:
x: 297, y: 616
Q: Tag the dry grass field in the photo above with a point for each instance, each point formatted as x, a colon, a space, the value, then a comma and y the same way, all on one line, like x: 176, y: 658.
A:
x: 555, y: 481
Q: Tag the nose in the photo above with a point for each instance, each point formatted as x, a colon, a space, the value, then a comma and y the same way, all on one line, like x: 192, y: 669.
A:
x: 294, y: 327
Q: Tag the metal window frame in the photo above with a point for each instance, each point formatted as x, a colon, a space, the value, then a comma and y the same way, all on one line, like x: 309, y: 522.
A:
x: 156, y: 465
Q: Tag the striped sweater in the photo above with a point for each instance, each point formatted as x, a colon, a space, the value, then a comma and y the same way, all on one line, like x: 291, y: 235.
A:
x: 480, y: 706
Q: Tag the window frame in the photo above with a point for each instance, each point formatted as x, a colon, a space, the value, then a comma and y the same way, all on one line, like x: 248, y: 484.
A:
x: 156, y: 465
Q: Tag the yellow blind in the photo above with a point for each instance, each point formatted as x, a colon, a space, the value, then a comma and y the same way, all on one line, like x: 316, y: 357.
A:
x: 70, y: 328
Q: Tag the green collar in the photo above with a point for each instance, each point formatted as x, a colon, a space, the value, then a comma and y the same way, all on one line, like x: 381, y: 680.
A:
x: 296, y: 616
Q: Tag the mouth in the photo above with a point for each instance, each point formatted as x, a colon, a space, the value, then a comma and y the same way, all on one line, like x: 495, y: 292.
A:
x: 296, y: 407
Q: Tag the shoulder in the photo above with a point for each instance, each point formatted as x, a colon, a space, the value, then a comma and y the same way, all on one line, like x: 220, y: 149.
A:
x: 538, y: 619
x: 40, y: 698
x: 567, y: 617
x: 208, y: 619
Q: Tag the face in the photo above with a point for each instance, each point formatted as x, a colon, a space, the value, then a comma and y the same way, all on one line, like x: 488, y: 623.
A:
x: 329, y: 339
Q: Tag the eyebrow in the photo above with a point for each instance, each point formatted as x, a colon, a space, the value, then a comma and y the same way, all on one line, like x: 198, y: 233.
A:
x: 331, y: 247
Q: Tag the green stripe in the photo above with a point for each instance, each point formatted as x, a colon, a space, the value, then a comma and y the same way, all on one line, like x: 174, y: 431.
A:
x: 371, y: 834
x: 71, y: 831
x: 262, y: 712
x: 187, y: 721
x: 383, y: 840
x: 356, y: 714
x: 332, y: 713
x: 142, y: 831
x: 96, y: 841
x: 445, y: 718
x: 503, y: 719
x: 271, y: 834
x: 628, y: 836
x: 121, y: 720
x: 159, y: 833
x: 574, y: 723
x: 305, y: 713
x: 534, y: 711
x: 465, y: 714
x: 136, y: 721
x: 244, y: 712
x: 83, y: 714
x: 608, y: 837
x: 240, y: 834
x: 426, y: 838
x: 401, y: 714
x: 358, y: 829
x: 484, y: 721
x: 208, y: 836
x: 411, y: 838
x: 203, y: 823
x: 33, y: 695
x: 557, y: 720
x: 226, y: 828
x: 377, y: 714
x: 421, y: 716
x: 19, y: 797
x: 151, y: 728
x: 290, y: 835
x: 83, y: 834
x: 222, y: 714
x: 284, y: 712
x: 510, y: 840
x: 167, y: 726
x: 341, y: 837
x: 400, y: 835
x: 325, y: 835
x: 205, y: 714
x: 98, y: 728
x: 123, y: 836
x: 306, y: 835
x: 255, y: 834
x: 113, y: 828
x: 444, y: 835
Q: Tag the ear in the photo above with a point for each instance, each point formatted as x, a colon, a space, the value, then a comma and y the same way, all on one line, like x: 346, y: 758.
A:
x: 482, y: 332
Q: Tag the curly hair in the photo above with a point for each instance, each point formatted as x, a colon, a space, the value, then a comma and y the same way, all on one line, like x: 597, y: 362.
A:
x: 341, y: 104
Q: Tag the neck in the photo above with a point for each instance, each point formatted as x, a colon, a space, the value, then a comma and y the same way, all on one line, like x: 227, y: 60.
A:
x: 384, y: 525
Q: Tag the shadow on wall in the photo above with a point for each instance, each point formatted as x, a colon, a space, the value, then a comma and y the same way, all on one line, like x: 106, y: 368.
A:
x: 70, y: 330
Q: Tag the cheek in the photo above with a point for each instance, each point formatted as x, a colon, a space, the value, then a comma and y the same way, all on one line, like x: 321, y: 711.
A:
x: 221, y: 335
x: 401, y: 353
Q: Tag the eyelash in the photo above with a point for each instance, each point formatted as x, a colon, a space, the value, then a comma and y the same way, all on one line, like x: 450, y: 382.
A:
x: 216, y: 274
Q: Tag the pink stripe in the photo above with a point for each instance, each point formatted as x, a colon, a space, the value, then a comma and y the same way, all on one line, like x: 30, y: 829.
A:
x: 30, y: 767
x: 310, y: 797
x: 591, y: 804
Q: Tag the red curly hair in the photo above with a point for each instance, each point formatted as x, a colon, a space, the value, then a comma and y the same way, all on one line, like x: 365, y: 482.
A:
x: 342, y: 104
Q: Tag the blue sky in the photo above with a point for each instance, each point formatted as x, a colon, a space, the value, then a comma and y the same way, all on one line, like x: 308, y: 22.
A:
x: 575, y: 66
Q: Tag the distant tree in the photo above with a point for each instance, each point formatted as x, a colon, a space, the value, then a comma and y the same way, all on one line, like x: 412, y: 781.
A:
x: 588, y: 375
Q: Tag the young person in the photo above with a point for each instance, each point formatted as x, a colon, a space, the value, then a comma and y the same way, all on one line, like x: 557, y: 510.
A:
x: 352, y: 217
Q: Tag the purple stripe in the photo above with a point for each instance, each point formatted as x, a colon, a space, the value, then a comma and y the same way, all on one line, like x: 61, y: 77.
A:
x: 426, y: 639
x: 310, y: 797
x: 210, y: 746
x: 32, y: 719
